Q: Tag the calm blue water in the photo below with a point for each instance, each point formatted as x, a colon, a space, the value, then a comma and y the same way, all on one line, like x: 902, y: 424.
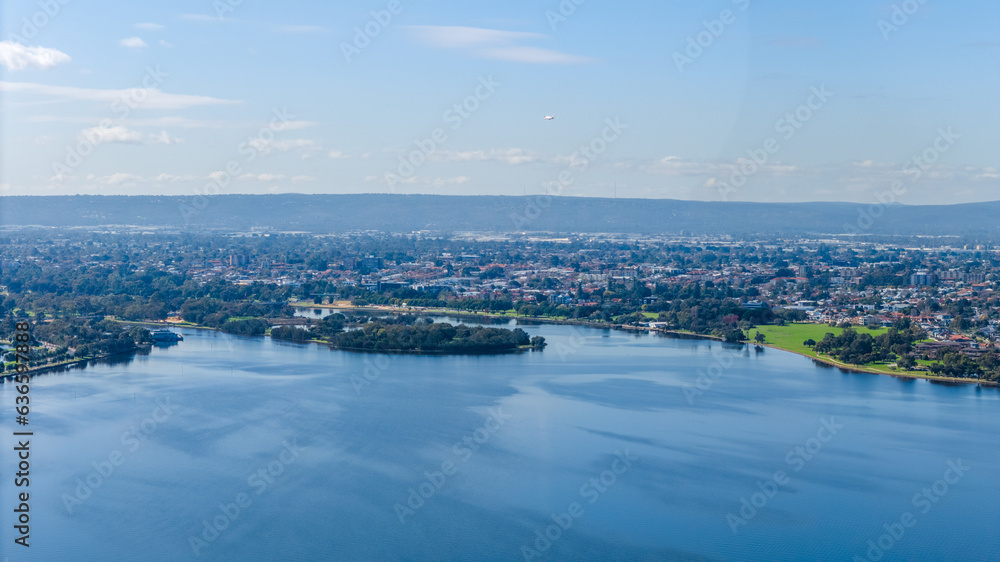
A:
x: 319, y: 462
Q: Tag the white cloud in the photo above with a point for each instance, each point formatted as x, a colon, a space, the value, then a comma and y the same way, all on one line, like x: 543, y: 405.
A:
x: 166, y: 44
x: 115, y: 134
x: 294, y: 125
x: 154, y: 98
x: 262, y: 177
x: 341, y: 155
x: 164, y: 177
x: 16, y: 56
x: 133, y: 43
x: 534, y: 55
x: 458, y: 180
x: 148, y: 26
x: 493, y: 44
x: 449, y: 37
x: 987, y: 173
x: 155, y: 122
x: 300, y: 179
x: 677, y: 166
x: 201, y: 17
x: 119, y: 178
x: 163, y: 138
x: 123, y: 135
x: 181, y: 122
x: 506, y: 156
x: 284, y: 145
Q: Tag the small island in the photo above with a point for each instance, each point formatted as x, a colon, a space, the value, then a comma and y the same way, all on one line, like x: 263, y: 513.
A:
x: 420, y: 336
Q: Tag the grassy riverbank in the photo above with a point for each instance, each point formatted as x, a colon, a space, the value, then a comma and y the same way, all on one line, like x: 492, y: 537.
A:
x: 790, y: 337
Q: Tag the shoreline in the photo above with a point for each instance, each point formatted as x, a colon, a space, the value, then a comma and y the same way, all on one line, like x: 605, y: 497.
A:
x: 674, y: 333
x: 413, y: 351
x: 5, y: 377
x: 671, y: 333
x: 903, y: 374
x: 522, y: 349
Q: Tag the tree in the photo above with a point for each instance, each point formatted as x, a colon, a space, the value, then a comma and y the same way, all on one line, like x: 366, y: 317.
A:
x: 809, y: 342
x: 906, y: 362
x: 759, y: 338
x: 492, y: 272
x: 735, y: 336
x: 248, y: 327
x: 290, y: 333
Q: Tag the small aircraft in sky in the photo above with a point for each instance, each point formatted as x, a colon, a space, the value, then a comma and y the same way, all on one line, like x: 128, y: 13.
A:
x: 550, y: 117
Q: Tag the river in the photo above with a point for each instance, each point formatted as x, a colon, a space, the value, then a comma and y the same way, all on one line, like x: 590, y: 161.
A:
x: 606, y: 445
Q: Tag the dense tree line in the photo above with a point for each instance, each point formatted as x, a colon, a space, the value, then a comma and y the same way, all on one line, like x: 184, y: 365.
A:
x: 245, y: 327
x: 215, y: 312
x: 86, y: 338
x: 434, y: 338
x: 291, y: 333
x: 955, y: 364
x: 861, y: 348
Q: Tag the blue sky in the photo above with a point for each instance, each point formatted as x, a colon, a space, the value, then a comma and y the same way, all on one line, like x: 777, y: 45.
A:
x: 723, y: 99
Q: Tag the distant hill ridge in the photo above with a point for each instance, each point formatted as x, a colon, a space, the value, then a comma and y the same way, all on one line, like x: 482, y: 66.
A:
x: 406, y: 213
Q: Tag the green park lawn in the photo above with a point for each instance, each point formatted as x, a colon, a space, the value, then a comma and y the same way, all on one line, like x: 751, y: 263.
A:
x: 790, y: 336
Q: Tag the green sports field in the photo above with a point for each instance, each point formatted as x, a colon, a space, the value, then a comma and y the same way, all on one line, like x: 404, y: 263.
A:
x: 791, y: 336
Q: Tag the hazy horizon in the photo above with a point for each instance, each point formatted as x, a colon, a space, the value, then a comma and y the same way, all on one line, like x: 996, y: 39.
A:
x: 516, y: 195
